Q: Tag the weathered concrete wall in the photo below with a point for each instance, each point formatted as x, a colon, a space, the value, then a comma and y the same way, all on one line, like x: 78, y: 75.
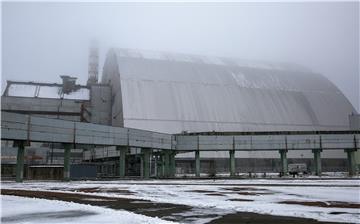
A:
x: 97, y: 110
x: 245, y: 165
x: 51, y: 108
x: 40, y: 155
x: 45, y: 173
x: 111, y: 76
x: 354, y: 121
x: 100, y: 104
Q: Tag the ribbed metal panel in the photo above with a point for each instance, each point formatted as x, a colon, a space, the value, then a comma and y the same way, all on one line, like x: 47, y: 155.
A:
x: 172, y: 93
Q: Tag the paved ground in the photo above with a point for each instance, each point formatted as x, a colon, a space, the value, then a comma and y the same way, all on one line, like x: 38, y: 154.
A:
x: 171, y: 212
x: 260, y: 201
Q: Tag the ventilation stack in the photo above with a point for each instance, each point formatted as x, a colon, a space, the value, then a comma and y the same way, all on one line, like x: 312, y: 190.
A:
x: 93, y: 63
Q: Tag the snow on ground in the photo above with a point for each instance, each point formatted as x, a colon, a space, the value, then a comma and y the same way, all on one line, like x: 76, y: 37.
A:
x: 220, y: 194
x: 252, y: 182
x: 32, y: 210
x: 324, y: 175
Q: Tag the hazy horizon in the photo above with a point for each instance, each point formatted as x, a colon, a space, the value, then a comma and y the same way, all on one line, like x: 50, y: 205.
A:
x: 41, y: 41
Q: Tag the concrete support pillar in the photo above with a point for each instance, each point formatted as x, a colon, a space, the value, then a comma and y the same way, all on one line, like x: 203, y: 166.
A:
x: 172, y: 164
x: 317, y: 161
x: 146, y: 162
x: 160, y: 167
x: 67, y: 151
x: 20, y: 161
x: 232, y: 163
x: 166, y: 163
x: 155, y: 166
x: 352, y: 167
x: 122, y: 160
x: 284, y: 163
x: 197, y: 163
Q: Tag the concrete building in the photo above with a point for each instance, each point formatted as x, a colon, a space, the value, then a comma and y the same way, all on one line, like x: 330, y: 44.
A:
x: 66, y: 101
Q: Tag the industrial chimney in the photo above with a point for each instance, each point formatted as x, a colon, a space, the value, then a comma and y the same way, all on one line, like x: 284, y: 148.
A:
x: 93, y: 63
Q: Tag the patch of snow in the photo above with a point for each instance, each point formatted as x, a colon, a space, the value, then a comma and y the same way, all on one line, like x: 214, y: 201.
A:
x: 80, y: 94
x: 55, y: 92
x: 344, y: 194
x: 33, y: 210
x: 169, y: 56
x: 49, y: 92
x: 52, y: 92
x: 21, y: 90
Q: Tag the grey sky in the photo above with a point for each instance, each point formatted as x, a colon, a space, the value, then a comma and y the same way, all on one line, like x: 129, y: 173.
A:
x: 41, y: 41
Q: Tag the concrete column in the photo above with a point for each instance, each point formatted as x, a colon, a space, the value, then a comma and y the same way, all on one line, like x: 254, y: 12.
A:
x: 20, y: 161
x: 317, y: 160
x: 122, y: 160
x: 159, y: 164
x: 351, y: 162
x: 284, y: 163
x: 166, y: 163
x: 155, y: 166
x: 232, y: 162
x: 67, y: 151
x: 146, y: 162
x: 172, y: 164
x: 162, y: 165
x: 197, y: 163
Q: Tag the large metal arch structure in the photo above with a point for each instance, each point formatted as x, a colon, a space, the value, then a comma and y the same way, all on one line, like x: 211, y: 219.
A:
x: 171, y: 93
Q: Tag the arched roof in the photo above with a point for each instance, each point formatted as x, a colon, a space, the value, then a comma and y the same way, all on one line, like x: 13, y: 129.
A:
x: 174, y: 92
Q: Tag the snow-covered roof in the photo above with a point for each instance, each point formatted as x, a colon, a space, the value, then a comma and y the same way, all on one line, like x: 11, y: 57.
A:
x: 41, y: 90
x: 168, y: 56
x: 171, y: 93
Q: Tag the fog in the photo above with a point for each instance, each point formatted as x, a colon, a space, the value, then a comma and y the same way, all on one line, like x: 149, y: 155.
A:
x: 41, y: 41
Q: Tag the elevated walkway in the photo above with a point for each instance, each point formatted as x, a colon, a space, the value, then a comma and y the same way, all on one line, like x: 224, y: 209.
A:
x: 24, y: 129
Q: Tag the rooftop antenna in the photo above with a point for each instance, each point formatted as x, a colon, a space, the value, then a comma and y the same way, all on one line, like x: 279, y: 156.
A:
x: 93, y: 63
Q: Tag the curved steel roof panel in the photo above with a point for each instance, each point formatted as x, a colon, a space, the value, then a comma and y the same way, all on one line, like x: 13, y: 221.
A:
x: 174, y: 93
